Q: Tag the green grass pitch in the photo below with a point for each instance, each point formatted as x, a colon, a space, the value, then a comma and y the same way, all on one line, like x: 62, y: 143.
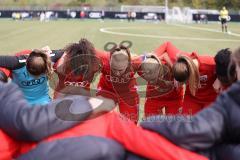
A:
x: 205, y: 39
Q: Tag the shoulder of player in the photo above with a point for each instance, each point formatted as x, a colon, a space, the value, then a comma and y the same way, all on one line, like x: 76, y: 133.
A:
x: 23, y: 53
x: 136, y: 61
x: 5, y: 71
x: 21, y: 57
x: 102, y: 54
x: 205, y: 61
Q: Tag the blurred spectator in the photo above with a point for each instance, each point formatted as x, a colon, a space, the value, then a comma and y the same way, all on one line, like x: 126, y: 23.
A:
x: 42, y: 16
x: 133, y: 16
x: 82, y: 14
x: 68, y: 14
x: 103, y: 14
x: 203, y: 19
x: 129, y: 16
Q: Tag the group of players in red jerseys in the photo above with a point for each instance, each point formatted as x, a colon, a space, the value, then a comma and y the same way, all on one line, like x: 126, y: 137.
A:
x: 177, y: 82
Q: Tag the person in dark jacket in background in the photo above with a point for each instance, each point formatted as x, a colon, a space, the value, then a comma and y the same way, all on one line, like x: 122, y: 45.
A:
x: 215, y: 131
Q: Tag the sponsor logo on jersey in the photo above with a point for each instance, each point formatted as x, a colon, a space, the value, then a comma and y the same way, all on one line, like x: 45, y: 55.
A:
x: 34, y: 82
x: 114, y: 79
x: 76, y: 84
x: 203, y: 80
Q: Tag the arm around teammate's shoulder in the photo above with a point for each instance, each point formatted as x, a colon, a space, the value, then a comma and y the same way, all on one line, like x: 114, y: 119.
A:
x: 24, y: 122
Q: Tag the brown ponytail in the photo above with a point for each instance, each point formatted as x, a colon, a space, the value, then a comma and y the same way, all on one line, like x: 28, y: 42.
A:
x: 185, y: 70
x: 77, y: 56
x: 161, y: 66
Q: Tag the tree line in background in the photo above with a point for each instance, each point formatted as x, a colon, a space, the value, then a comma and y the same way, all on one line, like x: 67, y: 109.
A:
x: 198, y: 4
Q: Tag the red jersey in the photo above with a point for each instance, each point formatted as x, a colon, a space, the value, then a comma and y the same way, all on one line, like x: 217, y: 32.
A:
x: 9, y: 148
x: 172, y: 99
x: 123, y: 89
x: 173, y: 53
x: 69, y: 79
x: 165, y: 89
x: 206, y: 93
x: 121, y: 86
x: 206, y: 69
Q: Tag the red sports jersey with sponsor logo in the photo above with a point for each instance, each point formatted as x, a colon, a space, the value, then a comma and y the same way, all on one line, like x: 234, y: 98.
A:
x: 172, y: 100
x: 110, y: 125
x: 206, y: 93
x: 123, y: 89
x: 69, y: 79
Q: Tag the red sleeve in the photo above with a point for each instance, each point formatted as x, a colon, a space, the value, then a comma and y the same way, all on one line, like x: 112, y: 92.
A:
x: 168, y: 48
x: 6, y: 71
x: 23, y: 52
x: 8, y: 147
x: 171, y: 51
x: 146, y: 143
x: 136, y: 62
x: 102, y: 54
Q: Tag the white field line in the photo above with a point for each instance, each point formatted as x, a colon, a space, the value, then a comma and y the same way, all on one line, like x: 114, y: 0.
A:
x: 204, y: 29
x: 107, y: 30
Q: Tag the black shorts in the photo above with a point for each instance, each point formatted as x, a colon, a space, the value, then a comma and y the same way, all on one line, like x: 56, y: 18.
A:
x: 223, y: 20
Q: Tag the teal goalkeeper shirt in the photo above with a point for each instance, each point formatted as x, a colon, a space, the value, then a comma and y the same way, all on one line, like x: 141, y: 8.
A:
x: 35, y: 89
